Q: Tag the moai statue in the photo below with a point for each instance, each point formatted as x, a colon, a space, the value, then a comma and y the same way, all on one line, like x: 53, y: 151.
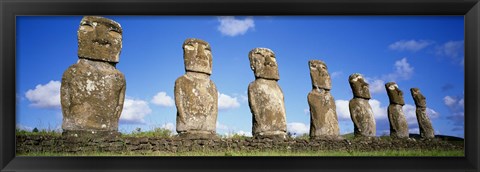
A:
x: 323, y: 115
x: 196, y: 96
x: 93, y: 90
x: 426, y: 129
x: 360, y: 110
x: 398, y: 123
x: 265, y: 97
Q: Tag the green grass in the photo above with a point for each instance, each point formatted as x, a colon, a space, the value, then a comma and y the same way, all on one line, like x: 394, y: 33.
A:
x: 37, y: 132
x: 413, y: 153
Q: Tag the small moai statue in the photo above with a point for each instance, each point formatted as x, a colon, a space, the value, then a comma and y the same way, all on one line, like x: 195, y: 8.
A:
x: 360, y: 110
x: 426, y: 129
x: 93, y: 90
x: 265, y: 97
x: 396, y: 117
x: 323, y: 115
x: 196, y: 96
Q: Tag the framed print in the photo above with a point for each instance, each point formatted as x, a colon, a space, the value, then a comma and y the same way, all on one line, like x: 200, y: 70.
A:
x: 250, y: 85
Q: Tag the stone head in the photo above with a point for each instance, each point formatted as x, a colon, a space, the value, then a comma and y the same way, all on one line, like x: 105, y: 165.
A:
x: 99, y: 39
x: 319, y: 74
x: 395, y: 95
x: 418, y: 98
x: 359, y: 86
x: 197, y: 56
x: 263, y: 63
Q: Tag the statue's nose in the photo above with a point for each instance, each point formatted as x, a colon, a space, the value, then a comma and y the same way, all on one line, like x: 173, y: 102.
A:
x: 201, y: 53
x: 101, y: 32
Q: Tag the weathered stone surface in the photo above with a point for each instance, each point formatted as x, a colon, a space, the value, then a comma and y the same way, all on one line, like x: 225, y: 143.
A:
x: 196, y: 96
x: 359, y: 86
x: 93, y: 90
x: 197, y: 56
x: 99, y: 39
x: 395, y: 95
x: 263, y: 63
x: 396, y: 117
x: 418, y: 98
x: 265, y: 96
x: 426, y: 129
x: 323, y: 115
x: 360, y: 110
x: 319, y: 75
x: 362, y: 117
x: 398, y: 123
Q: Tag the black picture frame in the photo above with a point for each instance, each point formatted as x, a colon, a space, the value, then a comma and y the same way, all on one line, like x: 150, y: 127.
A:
x: 11, y: 8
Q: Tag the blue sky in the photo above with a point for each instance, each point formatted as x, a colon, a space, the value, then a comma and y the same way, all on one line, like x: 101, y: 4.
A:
x: 414, y: 51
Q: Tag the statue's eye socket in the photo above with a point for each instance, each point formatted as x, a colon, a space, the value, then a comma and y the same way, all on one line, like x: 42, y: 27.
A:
x: 115, y: 33
x: 86, y: 27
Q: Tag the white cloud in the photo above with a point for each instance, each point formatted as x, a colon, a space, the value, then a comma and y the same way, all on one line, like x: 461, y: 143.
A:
x: 377, y: 86
x: 449, y: 101
x: 298, y: 128
x: 410, y: 114
x: 162, y: 99
x: 456, y: 105
x: 243, y: 133
x: 432, y: 114
x: 169, y: 126
x: 227, y: 102
x: 409, y: 45
x: 242, y: 97
x: 379, y: 112
x: 232, y: 27
x: 403, y: 70
x: 461, y: 103
x: 342, y: 109
x: 414, y: 130
x: 45, y: 96
x: 452, y: 49
x: 134, y: 111
x: 454, y: 102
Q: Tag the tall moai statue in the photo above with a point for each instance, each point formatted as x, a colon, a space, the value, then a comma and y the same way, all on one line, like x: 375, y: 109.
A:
x: 426, y: 129
x: 265, y: 97
x: 93, y: 90
x: 396, y: 117
x: 323, y: 115
x: 360, y: 110
x: 196, y: 96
